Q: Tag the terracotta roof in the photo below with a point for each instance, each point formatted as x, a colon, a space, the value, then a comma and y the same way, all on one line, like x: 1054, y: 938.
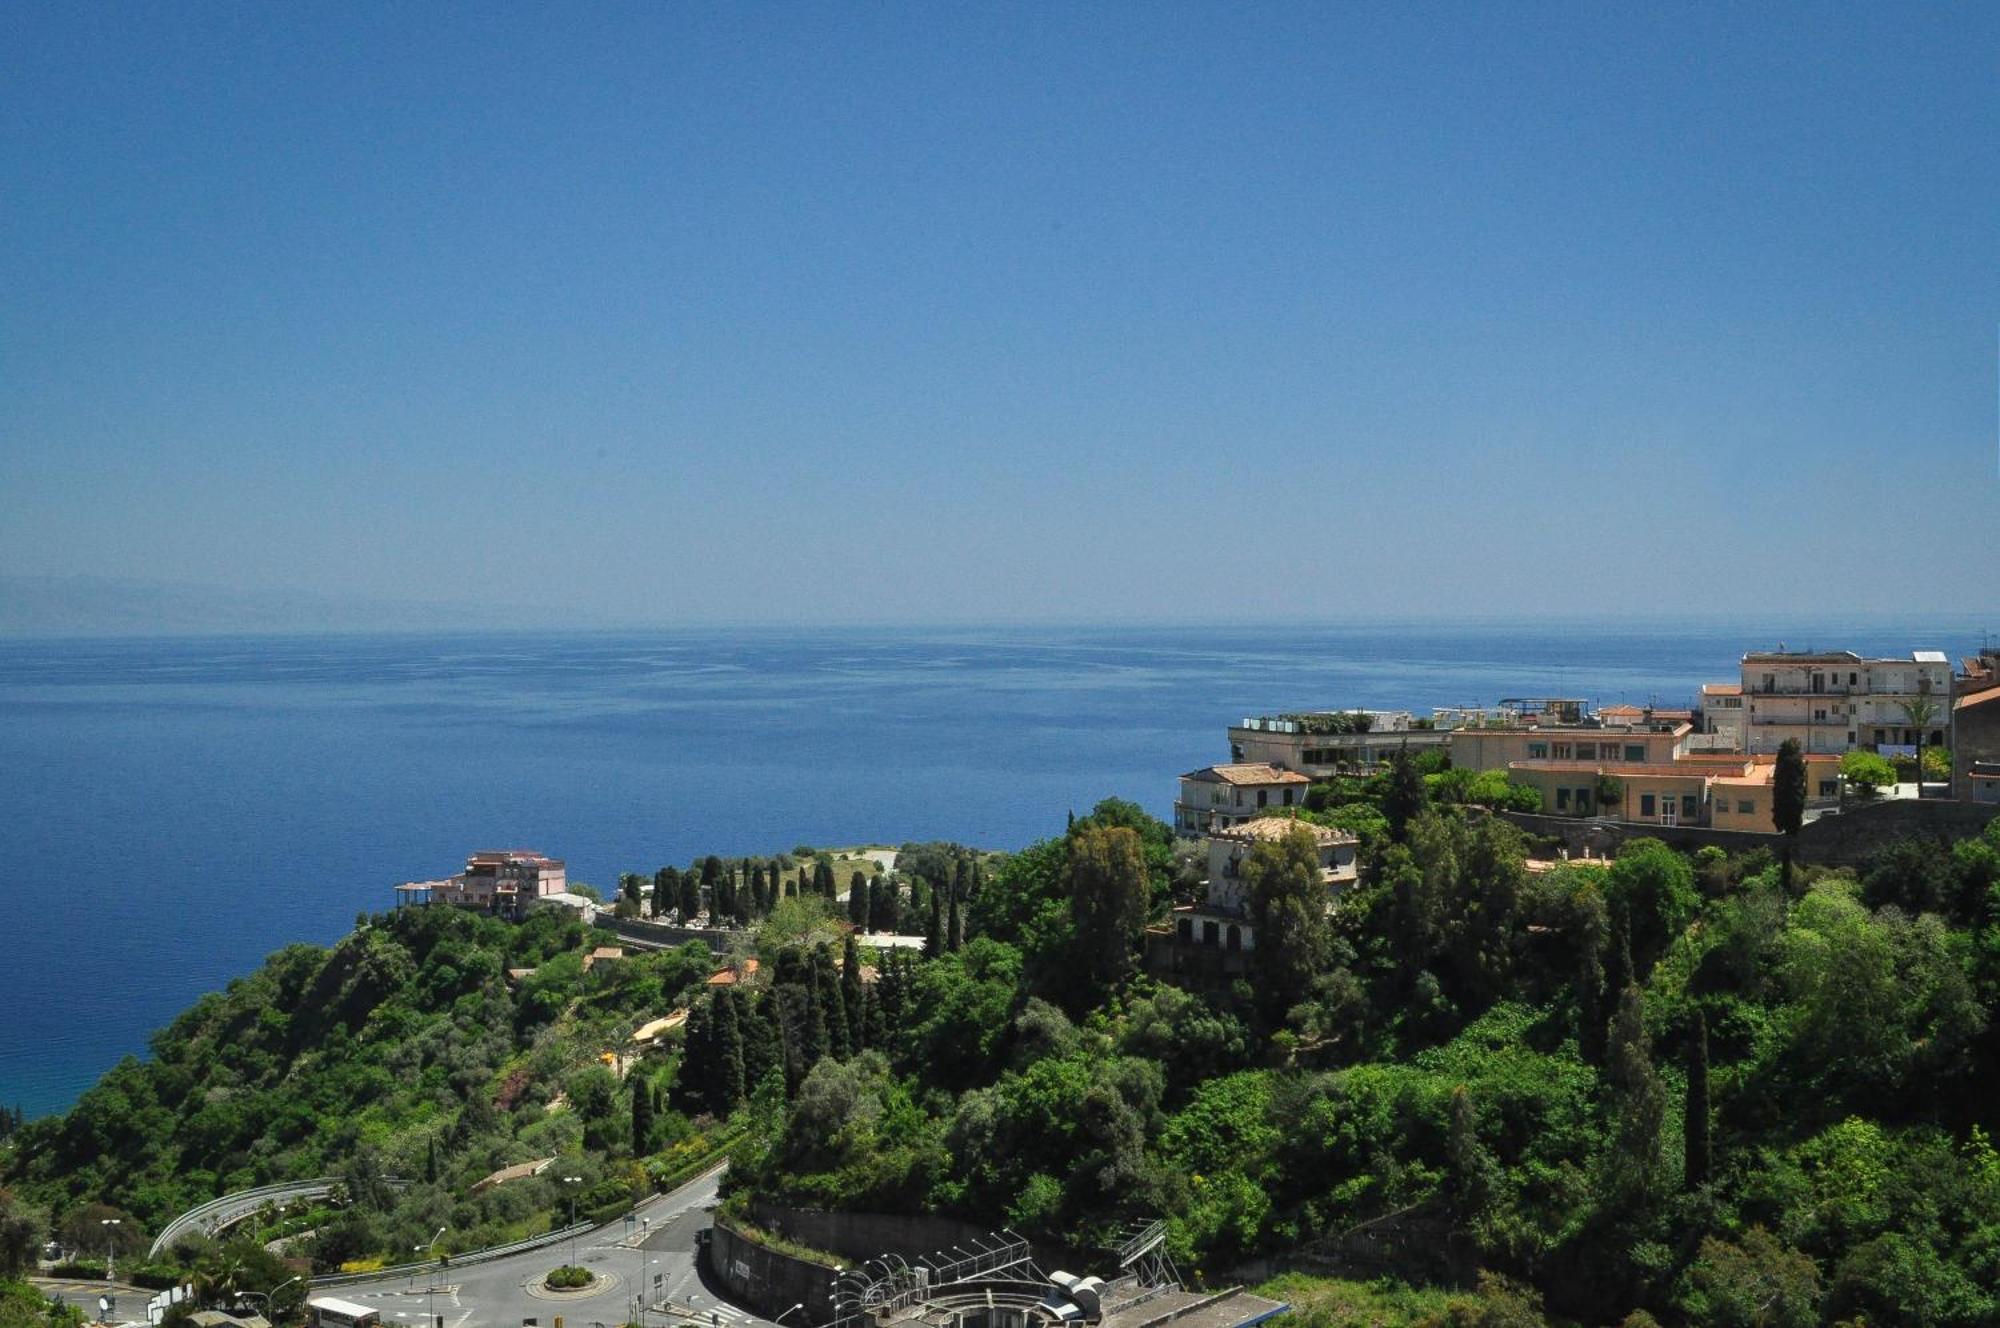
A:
x: 1722, y: 689
x: 1277, y: 827
x: 1252, y: 773
x: 1977, y: 699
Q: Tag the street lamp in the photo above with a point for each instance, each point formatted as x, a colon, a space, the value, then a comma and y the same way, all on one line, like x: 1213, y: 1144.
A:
x: 266, y: 1296
x: 110, y: 1251
x: 434, y: 1277
x: 782, y: 1313
x: 572, y: 1181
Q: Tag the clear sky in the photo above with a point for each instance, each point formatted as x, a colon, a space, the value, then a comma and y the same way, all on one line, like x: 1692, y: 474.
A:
x: 675, y: 313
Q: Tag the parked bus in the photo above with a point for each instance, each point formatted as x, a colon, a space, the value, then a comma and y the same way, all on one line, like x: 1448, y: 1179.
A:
x: 328, y: 1312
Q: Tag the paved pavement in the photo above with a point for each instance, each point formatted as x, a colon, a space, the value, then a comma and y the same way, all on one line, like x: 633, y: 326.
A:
x: 654, y: 1250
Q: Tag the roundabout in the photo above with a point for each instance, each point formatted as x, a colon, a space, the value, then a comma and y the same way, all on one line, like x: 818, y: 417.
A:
x: 601, y: 1283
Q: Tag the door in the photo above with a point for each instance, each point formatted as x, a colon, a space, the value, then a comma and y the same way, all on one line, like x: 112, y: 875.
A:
x: 1669, y: 810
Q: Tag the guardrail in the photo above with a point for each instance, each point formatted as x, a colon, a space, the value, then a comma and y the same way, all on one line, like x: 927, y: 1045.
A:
x: 196, y: 1218
x: 457, y: 1260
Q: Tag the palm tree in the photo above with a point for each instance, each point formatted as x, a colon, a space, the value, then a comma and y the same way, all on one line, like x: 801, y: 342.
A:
x: 1921, y: 711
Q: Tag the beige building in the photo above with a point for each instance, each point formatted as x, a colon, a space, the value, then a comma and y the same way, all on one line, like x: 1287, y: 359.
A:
x: 1222, y: 920
x: 1219, y: 796
x: 1975, y: 747
x: 1330, y: 742
x: 1728, y: 792
x: 1646, y: 742
x: 1835, y: 702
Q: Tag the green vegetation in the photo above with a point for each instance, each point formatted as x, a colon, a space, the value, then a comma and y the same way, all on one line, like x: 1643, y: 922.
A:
x: 568, y: 1277
x: 1687, y: 1091
x: 1663, y: 1091
x: 1866, y: 773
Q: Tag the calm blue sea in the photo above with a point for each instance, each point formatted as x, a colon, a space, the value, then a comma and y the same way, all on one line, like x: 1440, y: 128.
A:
x: 176, y: 809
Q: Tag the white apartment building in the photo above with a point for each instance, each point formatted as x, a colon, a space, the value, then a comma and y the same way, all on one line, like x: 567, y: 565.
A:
x: 1838, y: 701
x: 1329, y: 742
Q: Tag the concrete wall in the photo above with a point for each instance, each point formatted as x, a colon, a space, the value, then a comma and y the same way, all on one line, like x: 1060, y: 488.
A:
x: 769, y: 1281
x: 861, y: 1236
x: 1846, y: 839
x: 660, y: 934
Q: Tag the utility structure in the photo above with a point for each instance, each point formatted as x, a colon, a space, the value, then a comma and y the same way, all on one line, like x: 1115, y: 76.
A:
x: 993, y: 1281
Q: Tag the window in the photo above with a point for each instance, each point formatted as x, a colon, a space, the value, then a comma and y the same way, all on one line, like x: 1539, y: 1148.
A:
x: 1634, y: 752
x: 1583, y: 799
x: 1820, y: 714
x: 1263, y: 796
x: 1645, y: 804
x: 1850, y: 737
x: 1235, y: 935
x: 1538, y: 751
x: 1829, y: 787
x: 1565, y: 751
x: 1187, y: 930
x: 1745, y: 807
x: 1853, y: 678
x: 1562, y: 799
x: 1586, y: 751
x: 1880, y: 738
x: 1209, y: 932
x: 1288, y: 797
x: 1690, y: 806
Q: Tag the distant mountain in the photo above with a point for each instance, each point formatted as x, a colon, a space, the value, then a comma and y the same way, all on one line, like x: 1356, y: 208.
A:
x: 120, y: 606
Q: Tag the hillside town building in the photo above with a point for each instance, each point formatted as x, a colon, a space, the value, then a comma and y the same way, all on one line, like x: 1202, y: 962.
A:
x: 1838, y: 701
x: 505, y: 882
x: 1219, y: 796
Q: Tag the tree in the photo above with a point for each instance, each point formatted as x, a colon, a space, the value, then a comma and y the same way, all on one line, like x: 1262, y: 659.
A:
x: 1650, y: 889
x: 727, y: 1085
x: 1403, y: 798
x: 1108, y: 899
x: 1756, y: 1282
x: 1788, y: 799
x: 851, y: 991
x: 1288, y: 904
x: 954, y: 931
x: 689, y: 901
x: 21, y: 1229
x: 666, y: 891
x: 1866, y: 772
x: 857, y: 900
x: 1695, y: 1127
x: 823, y: 879
x: 1640, y: 1101
x: 1921, y: 711
x: 934, y: 929
x: 642, y: 1116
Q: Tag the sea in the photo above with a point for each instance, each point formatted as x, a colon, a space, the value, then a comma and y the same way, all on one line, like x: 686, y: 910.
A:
x: 176, y: 809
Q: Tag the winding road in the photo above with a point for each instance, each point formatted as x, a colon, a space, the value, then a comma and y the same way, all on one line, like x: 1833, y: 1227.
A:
x: 654, y: 1248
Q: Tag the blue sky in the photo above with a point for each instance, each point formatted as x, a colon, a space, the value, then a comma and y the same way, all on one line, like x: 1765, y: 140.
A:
x: 676, y: 313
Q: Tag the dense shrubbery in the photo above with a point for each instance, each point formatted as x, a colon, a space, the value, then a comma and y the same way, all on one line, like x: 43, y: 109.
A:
x: 401, y: 1052
x: 569, y: 1277
x: 1668, y: 1088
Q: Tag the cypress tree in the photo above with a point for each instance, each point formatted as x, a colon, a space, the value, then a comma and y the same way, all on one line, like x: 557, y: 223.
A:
x: 851, y: 994
x: 666, y: 890
x: 690, y: 897
x: 728, y: 1077
x: 763, y: 1044
x: 1640, y: 1103
x: 1403, y: 799
x: 833, y: 1004
x: 1695, y: 1128
x: 857, y: 900
x: 694, y: 1087
x: 1590, y: 1012
x: 642, y: 1117
x: 746, y: 912
x: 431, y: 1160
x: 954, y: 932
x: 934, y: 930
x: 878, y: 906
x: 760, y: 893
x: 823, y: 879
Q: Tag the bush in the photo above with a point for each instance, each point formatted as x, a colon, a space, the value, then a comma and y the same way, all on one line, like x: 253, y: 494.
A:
x: 568, y: 1278
x: 1867, y: 772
